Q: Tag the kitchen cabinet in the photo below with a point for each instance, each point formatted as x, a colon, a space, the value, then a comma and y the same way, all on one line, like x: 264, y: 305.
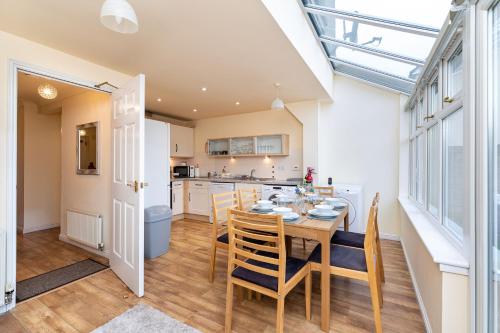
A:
x: 262, y: 145
x: 177, y: 198
x: 181, y: 141
x: 197, y: 199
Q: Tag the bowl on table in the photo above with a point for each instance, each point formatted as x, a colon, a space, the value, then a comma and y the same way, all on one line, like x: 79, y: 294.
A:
x: 282, y: 210
x: 264, y: 204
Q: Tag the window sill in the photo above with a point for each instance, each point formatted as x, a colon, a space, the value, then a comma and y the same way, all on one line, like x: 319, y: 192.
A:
x: 442, y: 251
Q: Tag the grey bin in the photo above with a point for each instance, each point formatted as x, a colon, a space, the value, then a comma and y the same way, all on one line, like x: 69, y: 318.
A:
x: 157, y: 220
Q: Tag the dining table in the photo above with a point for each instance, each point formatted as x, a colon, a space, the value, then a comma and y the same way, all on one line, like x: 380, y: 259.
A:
x: 321, y: 231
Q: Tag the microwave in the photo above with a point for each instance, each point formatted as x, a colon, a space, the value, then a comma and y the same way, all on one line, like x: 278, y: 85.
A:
x: 184, y: 171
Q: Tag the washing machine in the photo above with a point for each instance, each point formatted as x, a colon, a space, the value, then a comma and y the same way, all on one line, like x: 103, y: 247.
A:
x: 353, y: 196
x: 269, y: 192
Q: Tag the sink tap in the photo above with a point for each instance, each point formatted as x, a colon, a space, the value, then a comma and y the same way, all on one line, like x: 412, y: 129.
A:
x: 251, y: 173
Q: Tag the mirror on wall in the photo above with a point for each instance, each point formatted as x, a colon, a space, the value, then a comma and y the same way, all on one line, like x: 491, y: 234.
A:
x: 87, y: 145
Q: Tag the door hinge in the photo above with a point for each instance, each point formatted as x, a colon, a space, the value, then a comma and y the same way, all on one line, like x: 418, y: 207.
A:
x: 100, y: 246
x: 9, y: 293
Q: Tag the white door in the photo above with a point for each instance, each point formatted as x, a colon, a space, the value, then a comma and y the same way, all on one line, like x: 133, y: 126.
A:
x: 127, y: 257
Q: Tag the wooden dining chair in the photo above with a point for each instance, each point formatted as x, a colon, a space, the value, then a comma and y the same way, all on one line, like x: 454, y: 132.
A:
x: 268, y: 270
x: 247, y: 198
x: 356, y: 263
x: 357, y: 240
x: 324, y: 191
x: 220, y: 204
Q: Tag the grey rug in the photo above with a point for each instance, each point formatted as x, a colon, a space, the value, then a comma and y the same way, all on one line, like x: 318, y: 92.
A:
x: 144, y: 318
x: 54, y: 279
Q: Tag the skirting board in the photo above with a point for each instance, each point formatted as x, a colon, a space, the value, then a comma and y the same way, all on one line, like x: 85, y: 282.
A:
x: 40, y: 228
x: 106, y: 253
x: 421, y: 304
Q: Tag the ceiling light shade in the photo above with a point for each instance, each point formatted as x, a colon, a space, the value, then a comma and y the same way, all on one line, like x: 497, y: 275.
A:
x: 47, y: 91
x: 278, y: 104
x: 119, y: 16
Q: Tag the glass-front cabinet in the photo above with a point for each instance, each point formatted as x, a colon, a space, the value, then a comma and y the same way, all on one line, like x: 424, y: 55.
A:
x: 262, y: 145
x: 218, y: 147
x: 243, y: 146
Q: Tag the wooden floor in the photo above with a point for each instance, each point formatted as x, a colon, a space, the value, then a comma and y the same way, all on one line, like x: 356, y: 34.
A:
x: 42, y: 251
x: 177, y: 284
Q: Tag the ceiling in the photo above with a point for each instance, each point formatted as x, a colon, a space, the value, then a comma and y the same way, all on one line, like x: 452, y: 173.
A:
x: 233, y: 48
x: 27, y: 90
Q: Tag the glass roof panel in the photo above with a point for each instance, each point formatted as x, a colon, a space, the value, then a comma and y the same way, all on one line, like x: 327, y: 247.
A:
x: 406, y: 44
x: 385, y: 41
x: 364, y: 59
x: 401, y: 10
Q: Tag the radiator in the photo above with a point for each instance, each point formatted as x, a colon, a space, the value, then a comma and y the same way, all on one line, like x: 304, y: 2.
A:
x: 85, y: 228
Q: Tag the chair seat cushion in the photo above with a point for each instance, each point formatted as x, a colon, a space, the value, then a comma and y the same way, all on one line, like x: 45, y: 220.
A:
x: 293, y: 266
x: 224, y: 238
x: 342, y: 256
x: 353, y: 239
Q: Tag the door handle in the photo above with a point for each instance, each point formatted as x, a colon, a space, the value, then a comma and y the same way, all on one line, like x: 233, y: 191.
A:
x: 134, y: 185
x: 176, y: 147
x: 189, y: 196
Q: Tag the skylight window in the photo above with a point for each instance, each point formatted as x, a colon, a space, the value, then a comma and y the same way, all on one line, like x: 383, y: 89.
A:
x: 378, y: 41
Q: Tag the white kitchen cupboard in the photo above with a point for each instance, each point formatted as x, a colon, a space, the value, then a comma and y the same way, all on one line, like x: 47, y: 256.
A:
x: 181, y: 141
x: 197, y: 200
x: 177, y: 198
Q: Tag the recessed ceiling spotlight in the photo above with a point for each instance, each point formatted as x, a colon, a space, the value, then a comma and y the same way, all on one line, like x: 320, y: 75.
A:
x: 158, y: 99
x: 237, y: 103
x: 204, y: 89
x: 195, y: 110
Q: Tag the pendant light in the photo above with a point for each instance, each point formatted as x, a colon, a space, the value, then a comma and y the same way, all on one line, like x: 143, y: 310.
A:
x: 119, y: 16
x: 47, y: 91
x: 278, y: 103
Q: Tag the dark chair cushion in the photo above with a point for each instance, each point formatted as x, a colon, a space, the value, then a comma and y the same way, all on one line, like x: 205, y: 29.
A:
x: 342, y: 256
x: 293, y: 266
x: 353, y: 239
x: 224, y: 238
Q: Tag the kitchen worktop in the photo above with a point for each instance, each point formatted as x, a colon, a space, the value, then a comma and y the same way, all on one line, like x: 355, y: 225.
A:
x: 238, y: 180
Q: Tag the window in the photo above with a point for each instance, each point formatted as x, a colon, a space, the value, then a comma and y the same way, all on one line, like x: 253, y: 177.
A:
x: 438, y: 176
x: 433, y: 168
x: 494, y: 172
x: 455, y: 73
x: 420, y: 168
x: 453, y: 173
x: 433, y: 97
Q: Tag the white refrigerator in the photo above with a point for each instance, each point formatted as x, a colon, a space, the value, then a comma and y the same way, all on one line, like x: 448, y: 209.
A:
x: 156, y: 163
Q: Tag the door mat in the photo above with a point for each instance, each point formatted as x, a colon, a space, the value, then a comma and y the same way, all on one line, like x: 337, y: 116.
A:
x: 40, y: 284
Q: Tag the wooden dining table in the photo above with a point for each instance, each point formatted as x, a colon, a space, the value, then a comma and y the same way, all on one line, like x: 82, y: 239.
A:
x: 321, y: 231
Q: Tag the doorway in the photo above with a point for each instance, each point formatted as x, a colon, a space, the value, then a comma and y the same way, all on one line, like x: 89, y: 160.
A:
x: 49, y: 190
x: 123, y: 143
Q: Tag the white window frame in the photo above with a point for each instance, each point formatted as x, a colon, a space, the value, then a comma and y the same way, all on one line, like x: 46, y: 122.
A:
x: 440, y: 71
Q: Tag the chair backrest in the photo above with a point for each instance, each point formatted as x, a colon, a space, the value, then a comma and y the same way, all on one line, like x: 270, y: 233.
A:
x: 221, y: 202
x: 247, y: 198
x: 375, y: 203
x: 371, y: 239
x: 244, y: 227
x: 325, y: 191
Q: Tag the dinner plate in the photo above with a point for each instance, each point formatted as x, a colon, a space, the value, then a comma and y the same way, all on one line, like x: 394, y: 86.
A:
x: 257, y: 208
x: 288, y: 217
x: 339, y: 205
x: 315, y: 212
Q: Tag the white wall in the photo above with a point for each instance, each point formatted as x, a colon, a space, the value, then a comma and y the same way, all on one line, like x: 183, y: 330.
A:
x: 249, y: 124
x: 86, y: 193
x: 42, y: 169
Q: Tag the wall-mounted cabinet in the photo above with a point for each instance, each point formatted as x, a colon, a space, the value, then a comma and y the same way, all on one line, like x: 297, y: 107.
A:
x: 262, y: 145
x: 181, y: 141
